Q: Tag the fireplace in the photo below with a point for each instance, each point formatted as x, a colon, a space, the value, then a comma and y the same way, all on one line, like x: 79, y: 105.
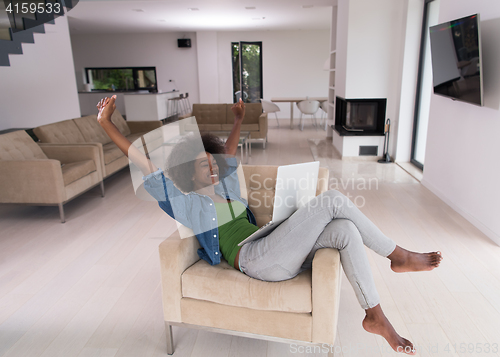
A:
x: 360, y: 116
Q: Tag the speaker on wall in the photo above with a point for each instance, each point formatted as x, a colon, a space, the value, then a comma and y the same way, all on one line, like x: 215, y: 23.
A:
x: 184, y: 42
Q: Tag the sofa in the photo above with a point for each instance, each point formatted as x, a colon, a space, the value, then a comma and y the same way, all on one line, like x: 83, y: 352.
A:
x: 87, y: 131
x: 46, y: 174
x: 217, y: 117
x: 302, y: 310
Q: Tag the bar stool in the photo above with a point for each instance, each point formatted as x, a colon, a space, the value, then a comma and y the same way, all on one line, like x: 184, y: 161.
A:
x: 184, y: 104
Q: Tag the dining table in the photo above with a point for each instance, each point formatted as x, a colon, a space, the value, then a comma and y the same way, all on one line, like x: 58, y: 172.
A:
x: 292, y: 100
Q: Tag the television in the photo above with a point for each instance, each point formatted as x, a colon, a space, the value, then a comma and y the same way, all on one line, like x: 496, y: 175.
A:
x: 456, y: 59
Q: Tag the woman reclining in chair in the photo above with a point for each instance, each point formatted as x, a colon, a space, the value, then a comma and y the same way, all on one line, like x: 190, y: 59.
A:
x: 330, y: 220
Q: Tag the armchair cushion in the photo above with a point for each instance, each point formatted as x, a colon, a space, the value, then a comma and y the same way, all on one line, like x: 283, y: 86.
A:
x: 244, y: 127
x: 76, y: 170
x: 252, y: 113
x: 209, y: 113
x: 111, y: 153
x: 120, y: 123
x: 91, y: 130
x: 236, y: 289
x: 18, y: 145
x: 63, y: 132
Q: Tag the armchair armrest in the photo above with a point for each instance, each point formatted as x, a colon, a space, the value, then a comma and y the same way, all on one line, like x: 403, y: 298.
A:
x: 263, y: 125
x: 96, y: 144
x: 143, y: 126
x: 326, y: 278
x: 31, y: 181
x: 176, y: 255
x: 72, y: 153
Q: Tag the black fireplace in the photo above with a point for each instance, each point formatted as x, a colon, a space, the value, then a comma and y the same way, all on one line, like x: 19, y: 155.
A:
x: 360, y: 116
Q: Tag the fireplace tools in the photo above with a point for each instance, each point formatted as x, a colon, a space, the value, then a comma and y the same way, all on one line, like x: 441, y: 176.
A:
x: 386, y: 158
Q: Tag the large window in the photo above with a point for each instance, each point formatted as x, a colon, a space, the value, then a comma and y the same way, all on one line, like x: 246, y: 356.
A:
x: 123, y: 78
x: 247, y: 71
x: 424, y: 86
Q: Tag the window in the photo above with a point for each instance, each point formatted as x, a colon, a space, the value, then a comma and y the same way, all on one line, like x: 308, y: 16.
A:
x: 424, y: 86
x: 248, y: 80
x: 123, y: 78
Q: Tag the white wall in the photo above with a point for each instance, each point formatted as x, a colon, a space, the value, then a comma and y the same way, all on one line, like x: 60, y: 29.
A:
x: 292, y: 64
x: 135, y: 50
x: 375, y: 48
x: 208, y: 77
x: 461, y: 161
x: 370, y: 53
x: 39, y: 87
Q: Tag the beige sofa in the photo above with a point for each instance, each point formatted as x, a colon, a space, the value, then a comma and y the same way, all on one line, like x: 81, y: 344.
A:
x: 215, y: 117
x: 302, y: 310
x: 46, y: 174
x: 87, y: 130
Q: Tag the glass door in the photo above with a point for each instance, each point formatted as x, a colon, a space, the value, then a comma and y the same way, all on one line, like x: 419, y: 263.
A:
x: 247, y: 71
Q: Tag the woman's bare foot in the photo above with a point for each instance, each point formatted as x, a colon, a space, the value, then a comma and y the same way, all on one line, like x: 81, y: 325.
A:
x: 403, y: 260
x: 376, y: 322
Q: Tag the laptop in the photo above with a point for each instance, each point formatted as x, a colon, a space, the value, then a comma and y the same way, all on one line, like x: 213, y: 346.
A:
x: 295, y: 187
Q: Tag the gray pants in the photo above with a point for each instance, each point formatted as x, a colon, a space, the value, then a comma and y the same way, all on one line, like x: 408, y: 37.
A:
x: 330, y: 220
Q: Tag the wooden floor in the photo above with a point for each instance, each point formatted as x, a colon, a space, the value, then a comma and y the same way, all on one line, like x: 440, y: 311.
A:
x: 91, y: 286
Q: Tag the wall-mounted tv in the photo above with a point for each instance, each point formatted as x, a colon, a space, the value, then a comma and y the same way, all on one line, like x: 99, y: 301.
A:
x: 456, y: 59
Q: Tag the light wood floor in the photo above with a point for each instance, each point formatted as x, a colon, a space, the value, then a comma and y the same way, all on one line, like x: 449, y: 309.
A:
x: 90, y: 287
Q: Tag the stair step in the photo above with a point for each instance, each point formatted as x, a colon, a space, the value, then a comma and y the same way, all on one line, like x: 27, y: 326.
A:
x: 12, y: 47
x: 25, y: 36
x: 4, y: 59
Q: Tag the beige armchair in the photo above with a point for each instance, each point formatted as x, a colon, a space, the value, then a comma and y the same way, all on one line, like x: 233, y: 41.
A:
x: 46, y: 174
x: 87, y: 131
x: 219, y: 298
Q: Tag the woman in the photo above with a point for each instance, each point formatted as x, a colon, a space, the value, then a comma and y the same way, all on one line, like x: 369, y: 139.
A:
x: 220, y: 218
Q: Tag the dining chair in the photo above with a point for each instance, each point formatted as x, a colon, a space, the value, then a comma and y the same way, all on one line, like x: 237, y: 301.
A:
x: 324, y: 114
x: 308, y: 107
x: 270, y: 107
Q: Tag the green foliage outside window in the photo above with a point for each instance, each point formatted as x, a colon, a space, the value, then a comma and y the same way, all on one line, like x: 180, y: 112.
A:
x: 105, y: 79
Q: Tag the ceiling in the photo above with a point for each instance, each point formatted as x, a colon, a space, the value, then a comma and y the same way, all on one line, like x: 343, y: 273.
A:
x: 146, y: 16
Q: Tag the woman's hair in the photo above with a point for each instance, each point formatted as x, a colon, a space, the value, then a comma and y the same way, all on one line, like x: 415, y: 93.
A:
x: 180, y: 163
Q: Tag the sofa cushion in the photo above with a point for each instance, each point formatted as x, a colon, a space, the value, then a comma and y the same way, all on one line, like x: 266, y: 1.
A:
x: 91, y: 129
x: 76, y: 170
x: 237, y: 289
x: 63, y: 132
x: 210, y: 113
x: 252, y: 113
x: 111, y: 153
x: 120, y: 123
x: 18, y: 145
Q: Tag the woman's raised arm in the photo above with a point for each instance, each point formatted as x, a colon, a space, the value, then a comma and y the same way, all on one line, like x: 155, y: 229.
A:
x: 106, y: 108
x: 233, y: 139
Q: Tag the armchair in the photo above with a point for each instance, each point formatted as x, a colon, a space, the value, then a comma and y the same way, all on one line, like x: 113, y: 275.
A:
x: 302, y: 310
x: 46, y: 174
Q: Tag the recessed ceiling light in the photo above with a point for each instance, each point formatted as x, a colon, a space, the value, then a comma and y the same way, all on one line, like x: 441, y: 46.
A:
x: 193, y: 9
x: 307, y: 6
x: 138, y: 10
x: 250, y: 7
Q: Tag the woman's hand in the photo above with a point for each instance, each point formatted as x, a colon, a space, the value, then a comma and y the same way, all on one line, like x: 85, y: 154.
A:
x: 238, y: 111
x: 106, y: 107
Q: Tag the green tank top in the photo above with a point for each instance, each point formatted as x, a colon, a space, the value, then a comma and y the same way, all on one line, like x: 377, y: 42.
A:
x: 233, y: 228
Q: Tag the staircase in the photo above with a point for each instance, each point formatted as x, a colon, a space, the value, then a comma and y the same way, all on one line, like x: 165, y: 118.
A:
x: 18, y: 28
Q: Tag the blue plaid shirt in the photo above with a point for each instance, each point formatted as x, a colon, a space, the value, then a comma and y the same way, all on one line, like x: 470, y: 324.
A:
x: 197, y: 211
